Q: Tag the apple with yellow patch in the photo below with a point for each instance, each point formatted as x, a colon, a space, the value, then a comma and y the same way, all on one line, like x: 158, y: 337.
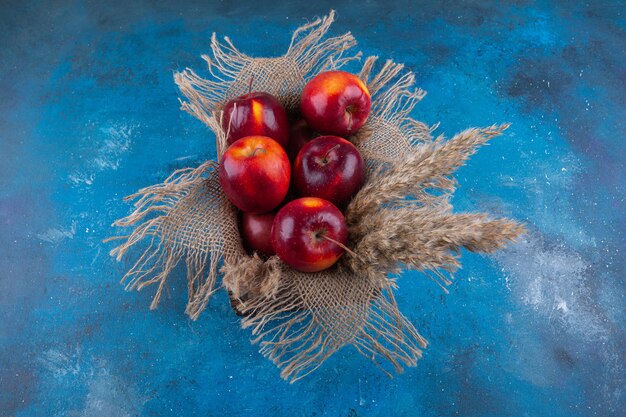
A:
x: 254, y: 173
x: 335, y: 103
x: 255, y: 114
x: 309, y: 234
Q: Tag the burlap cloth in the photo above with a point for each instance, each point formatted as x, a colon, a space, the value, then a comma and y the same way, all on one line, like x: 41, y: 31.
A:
x: 401, y: 218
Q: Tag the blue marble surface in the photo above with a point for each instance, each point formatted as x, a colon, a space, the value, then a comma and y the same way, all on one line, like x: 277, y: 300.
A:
x: 89, y: 114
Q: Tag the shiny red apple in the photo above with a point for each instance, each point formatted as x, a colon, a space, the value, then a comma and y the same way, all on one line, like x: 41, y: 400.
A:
x: 305, y: 231
x: 255, y: 114
x: 329, y: 167
x: 335, y: 103
x: 299, y: 135
x: 254, y: 174
x: 257, y: 232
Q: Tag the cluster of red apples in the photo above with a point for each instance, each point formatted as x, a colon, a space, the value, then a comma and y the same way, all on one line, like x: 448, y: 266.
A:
x: 290, y: 184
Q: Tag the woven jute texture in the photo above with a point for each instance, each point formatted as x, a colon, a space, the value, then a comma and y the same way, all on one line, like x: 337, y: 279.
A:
x: 401, y: 218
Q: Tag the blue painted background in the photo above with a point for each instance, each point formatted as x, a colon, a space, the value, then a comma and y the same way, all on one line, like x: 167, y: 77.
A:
x: 89, y: 114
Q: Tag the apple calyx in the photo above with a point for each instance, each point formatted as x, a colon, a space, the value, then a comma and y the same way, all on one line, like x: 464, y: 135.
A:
x: 254, y: 153
x: 350, y: 110
x: 318, y: 234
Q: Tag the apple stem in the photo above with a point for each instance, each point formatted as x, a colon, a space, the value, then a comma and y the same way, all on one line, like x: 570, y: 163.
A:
x: 341, y: 245
x: 325, y: 158
x: 250, y: 84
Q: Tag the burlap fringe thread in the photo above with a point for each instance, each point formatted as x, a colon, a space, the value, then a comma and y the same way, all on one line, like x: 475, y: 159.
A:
x: 400, y: 219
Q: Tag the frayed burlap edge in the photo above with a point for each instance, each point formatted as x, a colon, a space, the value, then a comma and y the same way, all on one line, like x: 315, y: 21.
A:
x: 400, y: 219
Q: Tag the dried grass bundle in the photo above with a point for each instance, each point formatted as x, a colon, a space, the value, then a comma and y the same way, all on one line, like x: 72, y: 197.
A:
x: 401, y: 218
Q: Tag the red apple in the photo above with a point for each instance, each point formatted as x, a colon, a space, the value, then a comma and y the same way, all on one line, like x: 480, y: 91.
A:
x: 257, y: 232
x: 299, y: 135
x: 329, y: 167
x: 305, y: 231
x: 254, y: 174
x: 255, y: 114
x: 335, y: 103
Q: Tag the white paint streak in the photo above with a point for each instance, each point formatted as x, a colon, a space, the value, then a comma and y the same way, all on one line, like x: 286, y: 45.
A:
x: 106, y: 153
x: 552, y: 281
x: 116, y: 144
x: 186, y: 157
x: 78, y: 178
x: 60, y: 363
x: 109, y: 395
x: 56, y: 235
